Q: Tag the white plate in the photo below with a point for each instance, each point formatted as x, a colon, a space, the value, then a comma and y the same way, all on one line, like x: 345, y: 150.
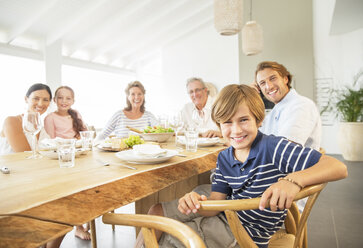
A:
x: 201, y: 141
x: 54, y: 155
x: 131, y: 157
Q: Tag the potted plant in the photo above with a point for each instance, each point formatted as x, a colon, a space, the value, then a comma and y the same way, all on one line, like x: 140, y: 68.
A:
x: 347, y: 104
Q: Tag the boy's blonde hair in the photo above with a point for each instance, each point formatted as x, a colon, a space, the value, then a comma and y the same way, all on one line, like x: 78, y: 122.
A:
x: 231, y: 97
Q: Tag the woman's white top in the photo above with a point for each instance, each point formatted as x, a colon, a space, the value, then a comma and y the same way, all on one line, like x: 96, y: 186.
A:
x: 118, y: 122
x: 5, y: 147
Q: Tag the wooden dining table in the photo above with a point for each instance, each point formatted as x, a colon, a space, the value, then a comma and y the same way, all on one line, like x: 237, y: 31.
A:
x: 40, y: 201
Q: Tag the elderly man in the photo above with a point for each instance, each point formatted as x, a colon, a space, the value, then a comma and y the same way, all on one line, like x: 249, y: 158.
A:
x: 198, y: 112
x: 293, y: 116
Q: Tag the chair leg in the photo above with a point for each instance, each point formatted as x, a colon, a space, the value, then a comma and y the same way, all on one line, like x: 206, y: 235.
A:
x: 305, y: 241
x: 93, y: 234
x: 113, y: 226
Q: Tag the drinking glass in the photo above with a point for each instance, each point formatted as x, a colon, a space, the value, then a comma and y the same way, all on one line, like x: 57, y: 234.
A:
x: 32, y: 124
x: 191, y: 140
x: 177, y: 123
x: 87, y: 140
x: 66, y: 149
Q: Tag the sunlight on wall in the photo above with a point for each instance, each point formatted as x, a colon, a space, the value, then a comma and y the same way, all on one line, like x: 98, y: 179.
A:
x: 17, y: 75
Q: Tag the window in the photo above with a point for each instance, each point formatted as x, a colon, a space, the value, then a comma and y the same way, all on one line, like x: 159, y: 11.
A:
x: 17, y: 75
x: 98, y: 95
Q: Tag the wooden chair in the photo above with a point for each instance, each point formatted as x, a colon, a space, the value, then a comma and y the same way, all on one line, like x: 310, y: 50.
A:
x: 295, y: 234
x: 150, y: 222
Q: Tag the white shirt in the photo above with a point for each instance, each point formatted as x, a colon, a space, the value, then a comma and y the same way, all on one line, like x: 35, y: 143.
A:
x: 297, y: 118
x: 187, y: 113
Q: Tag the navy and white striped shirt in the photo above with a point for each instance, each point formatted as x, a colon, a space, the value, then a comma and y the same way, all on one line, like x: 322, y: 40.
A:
x: 118, y: 122
x: 270, y: 158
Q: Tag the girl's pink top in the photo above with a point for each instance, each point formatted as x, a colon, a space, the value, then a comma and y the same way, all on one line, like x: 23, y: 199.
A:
x: 60, y: 126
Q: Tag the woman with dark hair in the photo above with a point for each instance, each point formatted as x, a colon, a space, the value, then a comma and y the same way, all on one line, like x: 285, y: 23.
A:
x: 133, y: 115
x: 12, y: 137
x: 65, y: 122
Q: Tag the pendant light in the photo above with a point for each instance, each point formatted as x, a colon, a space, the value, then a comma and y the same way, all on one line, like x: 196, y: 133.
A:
x: 228, y: 16
x: 252, y: 36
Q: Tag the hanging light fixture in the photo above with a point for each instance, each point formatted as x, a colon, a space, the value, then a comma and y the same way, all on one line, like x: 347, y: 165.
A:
x: 252, y: 36
x: 228, y: 16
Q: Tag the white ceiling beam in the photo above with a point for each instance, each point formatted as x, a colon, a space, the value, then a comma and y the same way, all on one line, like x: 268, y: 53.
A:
x: 108, y: 26
x: 20, y: 52
x: 69, y: 23
x: 28, y: 21
x: 128, y: 36
x: 151, y: 49
x: 188, y: 22
x: 96, y: 66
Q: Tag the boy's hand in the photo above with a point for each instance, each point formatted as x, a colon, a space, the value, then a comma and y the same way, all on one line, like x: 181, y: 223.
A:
x: 280, y: 195
x: 190, y: 202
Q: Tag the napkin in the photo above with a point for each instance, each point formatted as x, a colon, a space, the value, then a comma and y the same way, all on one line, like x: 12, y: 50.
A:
x: 148, y: 150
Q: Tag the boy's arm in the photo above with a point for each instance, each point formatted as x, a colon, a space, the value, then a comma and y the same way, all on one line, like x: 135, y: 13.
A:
x: 190, y: 203
x: 281, y: 194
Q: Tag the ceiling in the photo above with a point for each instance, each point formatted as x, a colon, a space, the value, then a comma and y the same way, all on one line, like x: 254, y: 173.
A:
x: 117, y: 33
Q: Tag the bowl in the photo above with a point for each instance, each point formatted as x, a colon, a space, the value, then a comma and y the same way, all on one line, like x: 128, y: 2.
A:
x: 156, y: 137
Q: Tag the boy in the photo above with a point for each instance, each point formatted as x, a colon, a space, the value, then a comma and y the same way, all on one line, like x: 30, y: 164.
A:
x: 250, y: 168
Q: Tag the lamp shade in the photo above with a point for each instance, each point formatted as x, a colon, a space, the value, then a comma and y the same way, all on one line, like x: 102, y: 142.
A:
x: 252, y: 38
x: 228, y: 16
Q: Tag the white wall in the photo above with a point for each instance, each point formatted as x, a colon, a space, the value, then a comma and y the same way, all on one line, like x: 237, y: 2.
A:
x: 288, y: 39
x: 204, y: 54
x: 338, y: 57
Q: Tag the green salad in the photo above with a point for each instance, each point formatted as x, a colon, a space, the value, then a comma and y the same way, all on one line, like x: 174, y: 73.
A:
x: 158, y: 129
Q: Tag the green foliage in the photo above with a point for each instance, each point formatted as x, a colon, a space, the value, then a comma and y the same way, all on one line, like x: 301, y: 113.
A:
x: 347, y: 103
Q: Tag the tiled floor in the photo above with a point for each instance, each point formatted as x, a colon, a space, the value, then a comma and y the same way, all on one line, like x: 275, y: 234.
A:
x: 336, y: 220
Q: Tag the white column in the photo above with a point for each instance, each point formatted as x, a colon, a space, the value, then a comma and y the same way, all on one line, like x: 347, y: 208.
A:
x: 53, y: 64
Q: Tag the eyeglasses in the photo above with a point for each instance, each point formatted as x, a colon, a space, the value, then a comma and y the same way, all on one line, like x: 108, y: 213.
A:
x: 196, y: 91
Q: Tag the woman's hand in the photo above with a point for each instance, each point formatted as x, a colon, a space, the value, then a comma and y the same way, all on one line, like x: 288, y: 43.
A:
x: 190, y: 202
x: 280, y: 195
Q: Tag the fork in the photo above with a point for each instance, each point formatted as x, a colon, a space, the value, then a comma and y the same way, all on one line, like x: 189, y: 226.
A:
x: 104, y: 163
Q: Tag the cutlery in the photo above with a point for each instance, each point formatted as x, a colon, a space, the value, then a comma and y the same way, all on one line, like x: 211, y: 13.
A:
x: 181, y: 155
x: 104, y: 163
x: 134, y: 129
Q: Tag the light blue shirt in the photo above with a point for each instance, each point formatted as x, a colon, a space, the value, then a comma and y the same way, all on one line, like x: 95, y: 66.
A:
x: 297, y: 118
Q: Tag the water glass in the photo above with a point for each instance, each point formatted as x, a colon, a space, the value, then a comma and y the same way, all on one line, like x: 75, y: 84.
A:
x: 66, y: 152
x: 191, y: 140
x: 87, y: 140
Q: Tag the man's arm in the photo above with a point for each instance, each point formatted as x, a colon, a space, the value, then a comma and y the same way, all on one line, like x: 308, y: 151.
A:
x: 190, y: 203
x: 281, y: 194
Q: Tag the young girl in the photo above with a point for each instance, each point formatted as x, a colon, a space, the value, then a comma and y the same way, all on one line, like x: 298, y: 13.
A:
x: 66, y: 123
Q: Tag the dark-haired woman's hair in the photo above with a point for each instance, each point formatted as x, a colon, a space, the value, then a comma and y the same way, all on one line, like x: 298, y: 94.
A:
x: 78, y: 124
x: 36, y: 87
x: 127, y: 91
